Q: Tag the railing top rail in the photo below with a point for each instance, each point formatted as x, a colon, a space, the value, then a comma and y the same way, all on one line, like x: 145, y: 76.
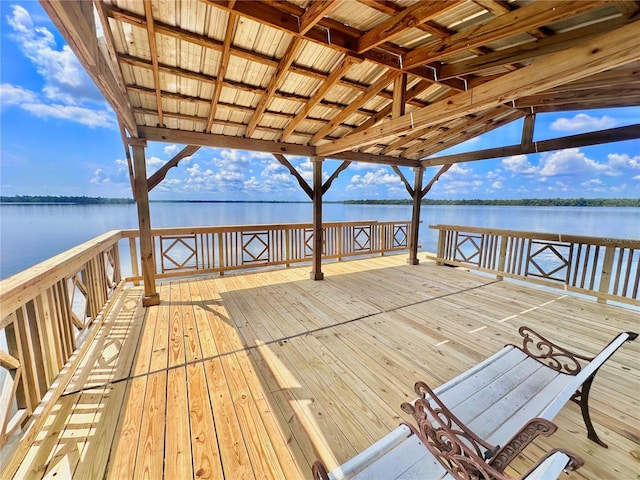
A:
x: 558, y: 237
x: 251, y: 228
x: 21, y: 287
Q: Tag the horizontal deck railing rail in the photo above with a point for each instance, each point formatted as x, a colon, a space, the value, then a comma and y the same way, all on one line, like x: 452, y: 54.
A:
x: 195, y: 250
x: 46, y: 312
x: 607, y: 268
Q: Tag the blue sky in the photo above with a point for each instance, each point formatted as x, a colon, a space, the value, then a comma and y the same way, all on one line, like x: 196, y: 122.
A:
x: 60, y: 137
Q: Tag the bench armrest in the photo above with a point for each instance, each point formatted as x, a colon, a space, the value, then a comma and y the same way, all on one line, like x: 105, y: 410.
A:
x: 553, y: 464
x: 503, y: 456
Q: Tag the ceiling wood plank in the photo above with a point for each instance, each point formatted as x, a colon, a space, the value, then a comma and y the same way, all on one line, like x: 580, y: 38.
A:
x: 153, y: 51
x: 410, y: 17
x: 353, y: 107
x: 281, y: 71
x: 619, y: 134
x: 74, y: 20
x: 525, y: 18
x: 338, y: 72
x: 315, y: 12
x: 610, y: 50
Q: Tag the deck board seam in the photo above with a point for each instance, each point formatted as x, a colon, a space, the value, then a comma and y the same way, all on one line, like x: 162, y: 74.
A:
x: 282, y: 339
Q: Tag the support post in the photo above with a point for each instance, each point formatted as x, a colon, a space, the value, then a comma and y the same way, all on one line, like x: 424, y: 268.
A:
x: 316, y: 272
x: 151, y: 297
x: 415, y: 217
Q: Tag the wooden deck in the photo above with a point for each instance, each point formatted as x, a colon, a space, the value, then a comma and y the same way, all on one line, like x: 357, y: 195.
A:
x: 258, y: 375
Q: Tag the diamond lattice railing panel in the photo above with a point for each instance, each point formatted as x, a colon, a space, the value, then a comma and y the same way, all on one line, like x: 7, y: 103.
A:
x: 255, y: 247
x: 78, y: 299
x: 468, y: 249
x: 399, y: 236
x: 548, y: 260
x: 361, y: 239
x: 179, y: 253
x: 308, y: 243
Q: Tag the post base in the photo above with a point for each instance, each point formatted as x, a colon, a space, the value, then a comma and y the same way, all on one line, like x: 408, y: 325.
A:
x: 316, y: 276
x: 413, y: 261
x: 151, y: 300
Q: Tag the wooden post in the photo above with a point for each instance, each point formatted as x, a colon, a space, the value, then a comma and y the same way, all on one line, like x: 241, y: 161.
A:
x: 605, y: 274
x: 502, y: 255
x: 316, y: 272
x: 151, y: 297
x: 415, y: 217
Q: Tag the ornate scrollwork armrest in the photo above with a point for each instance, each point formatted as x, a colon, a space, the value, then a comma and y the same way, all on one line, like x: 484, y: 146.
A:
x: 552, y: 355
x: 534, y: 428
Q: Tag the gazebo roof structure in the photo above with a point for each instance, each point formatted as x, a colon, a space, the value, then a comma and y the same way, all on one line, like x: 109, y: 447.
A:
x: 366, y: 80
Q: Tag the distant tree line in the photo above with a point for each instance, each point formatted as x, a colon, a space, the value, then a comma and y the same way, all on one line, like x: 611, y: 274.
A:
x: 64, y: 199
x: 527, y: 202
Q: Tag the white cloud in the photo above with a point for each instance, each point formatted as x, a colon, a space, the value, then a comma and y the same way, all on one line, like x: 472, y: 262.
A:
x: 519, y: 164
x: 497, y: 184
x: 100, y: 177
x: 171, y: 150
x: 623, y: 161
x: 637, y: 177
x: 371, y: 181
x: 14, y: 95
x: 583, y: 122
x: 86, y: 116
x: 456, y: 169
x: 570, y: 161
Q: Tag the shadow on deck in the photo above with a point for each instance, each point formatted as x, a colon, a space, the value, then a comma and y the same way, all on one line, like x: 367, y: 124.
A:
x: 258, y: 375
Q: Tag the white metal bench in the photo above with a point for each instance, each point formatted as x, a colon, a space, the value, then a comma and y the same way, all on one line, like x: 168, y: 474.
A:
x: 492, y: 400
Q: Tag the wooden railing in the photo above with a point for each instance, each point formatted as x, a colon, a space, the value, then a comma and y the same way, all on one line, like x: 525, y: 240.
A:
x: 608, y: 268
x: 46, y: 312
x: 194, y: 250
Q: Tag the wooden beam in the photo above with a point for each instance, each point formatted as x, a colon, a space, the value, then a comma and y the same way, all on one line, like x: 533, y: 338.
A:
x: 166, y: 135
x: 151, y: 296
x: 222, y: 71
x: 407, y: 186
x: 74, y: 20
x: 399, y: 96
x: 318, y: 240
x: 279, y: 74
x: 528, y: 51
x: 353, y: 107
x: 414, y: 234
x: 435, y: 178
x: 527, y: 131
x: 301, y: 181
x: 315, y: 12
x: 323, y: 88
x: 623, y: 92
x: 375, y: 158
x: 161, y: 173
x: 153, y: 52
x: 342, y: 167
x: 604, y: 52
x: 525, y: 18
x: 619, y: 134
x: 410, y: 17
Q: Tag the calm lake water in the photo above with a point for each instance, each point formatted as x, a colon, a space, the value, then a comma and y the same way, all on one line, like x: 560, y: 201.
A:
x: 30, y: 234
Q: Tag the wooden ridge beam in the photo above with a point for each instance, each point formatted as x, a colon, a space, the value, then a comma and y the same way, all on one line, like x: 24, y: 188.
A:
x: 523, y: 19
x: 161, y: 173
x: 167, y: 135
x: 153, y: 51
x: 281, y: 71
x: 74, y: 20
x: 353, y: 107
x: 407, y: 18
x: 337, y: 73
x: 619, y: 134
x: 301, y: 181
x: 607, y: 51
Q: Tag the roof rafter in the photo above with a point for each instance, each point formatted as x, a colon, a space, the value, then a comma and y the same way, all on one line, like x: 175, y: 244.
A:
x: 410, y: 17
x: 314, y: 13
x: 372, y: 91
x: 281, y: 71
x: 525, y: 18
x: 609, y: 50
x: 224, y: 62
x: 148, y: 11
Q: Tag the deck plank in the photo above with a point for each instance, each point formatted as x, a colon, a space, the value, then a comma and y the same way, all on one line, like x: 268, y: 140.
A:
x: 258, y: 375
